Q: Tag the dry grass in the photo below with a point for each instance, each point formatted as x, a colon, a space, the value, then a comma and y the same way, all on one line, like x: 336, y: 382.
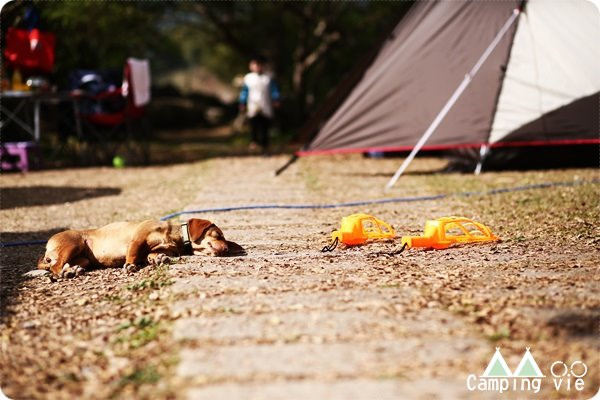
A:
x: 108, y: 335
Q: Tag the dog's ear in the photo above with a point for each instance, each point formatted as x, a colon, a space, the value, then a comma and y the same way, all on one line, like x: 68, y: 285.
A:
x: 42, y: 264
x: 197, y: 227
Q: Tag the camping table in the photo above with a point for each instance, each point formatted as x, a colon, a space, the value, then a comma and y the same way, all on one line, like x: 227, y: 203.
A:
x: 35, y: 98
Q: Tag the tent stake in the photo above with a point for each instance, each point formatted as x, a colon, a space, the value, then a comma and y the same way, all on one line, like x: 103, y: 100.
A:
x: 455, y: 96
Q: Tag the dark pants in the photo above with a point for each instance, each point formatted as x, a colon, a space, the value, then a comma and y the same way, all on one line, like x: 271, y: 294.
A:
x: 259, y: 125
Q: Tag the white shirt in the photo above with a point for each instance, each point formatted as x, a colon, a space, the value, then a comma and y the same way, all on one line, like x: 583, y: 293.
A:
x: 259, y: 96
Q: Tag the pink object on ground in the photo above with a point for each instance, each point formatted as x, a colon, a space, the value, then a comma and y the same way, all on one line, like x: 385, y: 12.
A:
x: 25, y: 154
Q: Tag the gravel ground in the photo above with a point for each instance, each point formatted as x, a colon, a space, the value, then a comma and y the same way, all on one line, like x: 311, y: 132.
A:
x: 279, y: 319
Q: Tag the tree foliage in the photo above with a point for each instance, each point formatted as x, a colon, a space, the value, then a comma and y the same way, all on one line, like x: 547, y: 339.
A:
x: 311, y: 45
x: 100, y: 34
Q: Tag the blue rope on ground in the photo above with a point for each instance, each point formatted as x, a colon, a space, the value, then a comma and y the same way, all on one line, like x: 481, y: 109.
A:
x: 348, y: 204
x: 379, y: 201
x: 305, y: 206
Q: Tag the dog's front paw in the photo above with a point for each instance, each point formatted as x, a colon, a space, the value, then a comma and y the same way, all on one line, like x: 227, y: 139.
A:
x: 69, y: 271
x: 130, y: 268
x: 158, y: 259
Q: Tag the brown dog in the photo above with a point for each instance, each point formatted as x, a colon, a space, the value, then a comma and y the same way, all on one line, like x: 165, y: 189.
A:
x: 129, y: 244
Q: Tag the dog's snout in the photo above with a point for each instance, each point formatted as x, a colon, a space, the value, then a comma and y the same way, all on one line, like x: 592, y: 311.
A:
x: 219, y: 248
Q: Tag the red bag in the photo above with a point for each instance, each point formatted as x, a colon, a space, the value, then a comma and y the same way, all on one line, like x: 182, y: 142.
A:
x: 19, y: 52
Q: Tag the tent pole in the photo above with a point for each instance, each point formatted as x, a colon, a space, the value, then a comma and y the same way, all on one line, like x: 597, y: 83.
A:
x: 485, y: 147
x: 455, y: 96
x: 292, y: 160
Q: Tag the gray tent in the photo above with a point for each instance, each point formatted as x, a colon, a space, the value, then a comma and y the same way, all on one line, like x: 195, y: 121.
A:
x: 539, y: 86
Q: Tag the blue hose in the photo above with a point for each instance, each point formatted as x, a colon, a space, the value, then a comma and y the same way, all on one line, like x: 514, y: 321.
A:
x: 378, y: 201
x: 306, y: 206
x: 348, y: 204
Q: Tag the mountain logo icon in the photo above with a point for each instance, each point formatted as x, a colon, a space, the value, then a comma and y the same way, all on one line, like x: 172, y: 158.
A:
x: 497, y: 367
x: 528, y: 368
x: 497, y: 376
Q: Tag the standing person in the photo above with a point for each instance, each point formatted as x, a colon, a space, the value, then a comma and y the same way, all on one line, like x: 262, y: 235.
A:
x: 259, y: 96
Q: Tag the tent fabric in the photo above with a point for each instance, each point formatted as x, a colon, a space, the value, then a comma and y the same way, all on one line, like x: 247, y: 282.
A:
x: 563, y: 125
x: 426, y: 58
x: 554, y: 62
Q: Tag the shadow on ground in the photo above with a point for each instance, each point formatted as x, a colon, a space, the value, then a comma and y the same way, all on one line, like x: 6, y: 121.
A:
x: 389, y: 174
x: 576, y: 323
x: 235, y: 250
x: 15, y: 261
x: 28, y: 196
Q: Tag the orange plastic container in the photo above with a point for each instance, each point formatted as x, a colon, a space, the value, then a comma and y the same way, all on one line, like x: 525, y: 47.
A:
x: 359, y: 228
x: 444, y: 232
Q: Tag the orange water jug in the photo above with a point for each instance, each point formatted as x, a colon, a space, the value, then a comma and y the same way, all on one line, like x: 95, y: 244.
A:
x: 359, y: 228
x: 443, y: 232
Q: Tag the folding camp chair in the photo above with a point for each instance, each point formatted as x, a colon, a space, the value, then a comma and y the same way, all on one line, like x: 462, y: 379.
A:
x: 113, y: 116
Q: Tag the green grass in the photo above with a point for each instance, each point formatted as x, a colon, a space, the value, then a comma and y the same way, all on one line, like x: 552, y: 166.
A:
x: 159, y: 279
x: 140, y: 332
x: 114, y: 299
x: 149, y: 284
x: 503, y: 333
x: 140, y: 376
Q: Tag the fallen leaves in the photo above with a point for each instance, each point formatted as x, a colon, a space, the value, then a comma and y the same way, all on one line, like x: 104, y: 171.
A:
x: 106, y: 334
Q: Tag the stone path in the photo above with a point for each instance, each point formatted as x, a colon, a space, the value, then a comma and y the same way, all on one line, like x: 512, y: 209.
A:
x: 281, y: 320
x: 285, y: 321
x: 254, y: 334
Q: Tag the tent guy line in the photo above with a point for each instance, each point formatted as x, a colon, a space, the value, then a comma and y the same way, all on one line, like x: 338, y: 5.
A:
x: 453, y: 99
x: 409, y: 199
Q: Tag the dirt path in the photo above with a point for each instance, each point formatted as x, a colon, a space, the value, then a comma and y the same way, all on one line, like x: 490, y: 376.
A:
x: 286, y: 321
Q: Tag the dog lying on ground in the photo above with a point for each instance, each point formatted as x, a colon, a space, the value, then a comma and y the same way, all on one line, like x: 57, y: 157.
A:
x: 130, y: 245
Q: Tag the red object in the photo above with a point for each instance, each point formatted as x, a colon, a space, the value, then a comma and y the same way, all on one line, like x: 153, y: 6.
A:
x: 129, y: 111
x: 23, y: 52
x: 558, y: 142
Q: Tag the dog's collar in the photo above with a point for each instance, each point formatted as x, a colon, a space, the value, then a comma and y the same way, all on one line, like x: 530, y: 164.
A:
x: 185, y: 234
